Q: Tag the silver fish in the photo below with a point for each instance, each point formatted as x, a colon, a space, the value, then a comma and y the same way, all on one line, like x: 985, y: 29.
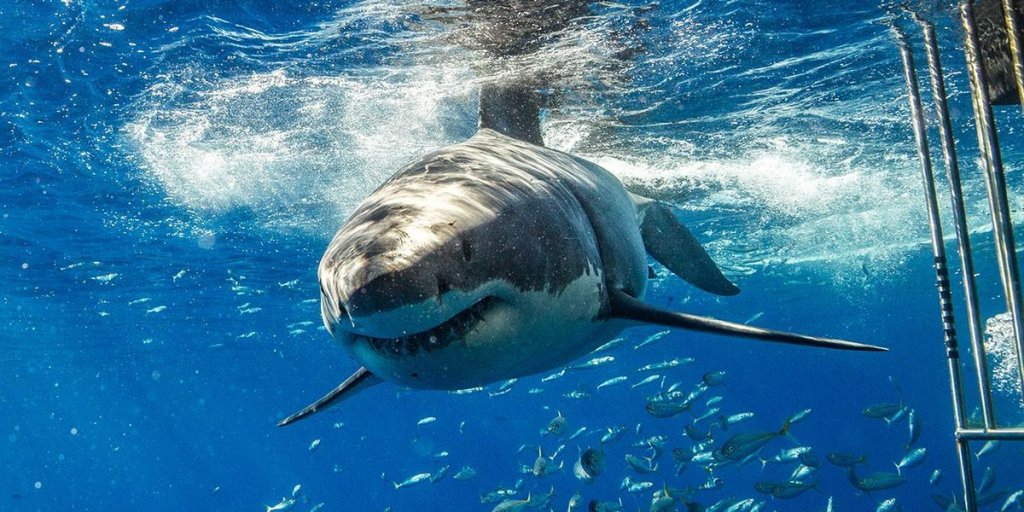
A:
x: 651, y: 339
x: 281, y: 506
x: 541, y: 501
x: 579, y: 432
x: 889, y: 505
x: 741, y: 446
x: 631, y: 485
x: 695, y: 434
x: 1016, y: 498
x: 671, y: 363
x: 613, y: 381
x: 988, y: 479
x: 713, y: 482
x: 611, y: 345
x: 802, y: 473
x: 880, y: 411
x: 913, y: 428
x: 574, y: 502
x: 791, y: 489
x: 799, y: 416
x: 592, y: 363
x: 877, y: 481
x: 714, y: 378
x: 512, y: 505
x: 540, y: 465
x: 557, y: 375
x: 467, y: 391
x: 589, y: 465
x: 753, y: 318
x: 557, y: 424
x: 439, y: 474
x: 466, y: 473
x: 662, y: 502
x: 613, y: 434
x: 558, y: 451
x: 666, y: 409
x: 727, y: 421
x: 656, y: 442
x: 640, y: 465
x: 648, y: 380
x: 913, y: 458
x: 987, y: 448
x: 413, y: 480
x: 605, y: 506
x: 710, y: 413
x: 499, y: 494
x: 845, y: 460
x: 790, y: 454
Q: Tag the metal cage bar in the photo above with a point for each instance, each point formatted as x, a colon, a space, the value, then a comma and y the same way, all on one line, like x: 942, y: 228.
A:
x: 1013, y: 36
x: 995, y: 178
x: 997, y: 194
x: 941, y: 272
x: 959, y: 221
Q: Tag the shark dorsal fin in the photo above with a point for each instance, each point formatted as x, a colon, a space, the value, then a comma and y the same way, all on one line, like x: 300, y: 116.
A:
x: 512, y: 110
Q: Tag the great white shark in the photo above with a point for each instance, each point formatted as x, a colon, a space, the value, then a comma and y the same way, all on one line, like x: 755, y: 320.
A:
x: 498, y: 257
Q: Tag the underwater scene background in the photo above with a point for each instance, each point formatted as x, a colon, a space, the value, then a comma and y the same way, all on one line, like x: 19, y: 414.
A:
x: 173, y: 171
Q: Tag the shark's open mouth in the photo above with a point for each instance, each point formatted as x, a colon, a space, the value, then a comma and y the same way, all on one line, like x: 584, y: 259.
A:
x: 433, y: 339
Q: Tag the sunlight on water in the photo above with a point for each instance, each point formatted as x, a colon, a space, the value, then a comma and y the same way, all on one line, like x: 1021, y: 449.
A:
x: 280, y: 145
x: 789, y: 203
x: 294, y: 148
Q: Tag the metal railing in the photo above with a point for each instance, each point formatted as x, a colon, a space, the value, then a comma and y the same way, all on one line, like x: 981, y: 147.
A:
x: 1002, y: 226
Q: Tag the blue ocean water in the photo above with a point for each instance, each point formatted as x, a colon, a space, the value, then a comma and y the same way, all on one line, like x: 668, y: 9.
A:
x: 174, y: 170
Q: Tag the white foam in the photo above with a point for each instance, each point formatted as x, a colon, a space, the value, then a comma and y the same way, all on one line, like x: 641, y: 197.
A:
x: 1000, y: 346
x: 790, y: 184
x: 286, y: 147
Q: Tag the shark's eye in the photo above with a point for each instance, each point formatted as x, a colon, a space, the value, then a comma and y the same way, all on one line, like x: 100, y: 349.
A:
x: 467, y: 251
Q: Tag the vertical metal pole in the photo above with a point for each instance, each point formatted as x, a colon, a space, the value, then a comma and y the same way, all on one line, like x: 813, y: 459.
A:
x: 973, y: 58
x: 1001, y: 223
x: 959, y: 221
x: 942, y: 276
x: 1013, y: 35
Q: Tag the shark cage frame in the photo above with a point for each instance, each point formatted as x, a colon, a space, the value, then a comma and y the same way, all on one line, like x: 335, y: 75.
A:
x: 1002, y: 226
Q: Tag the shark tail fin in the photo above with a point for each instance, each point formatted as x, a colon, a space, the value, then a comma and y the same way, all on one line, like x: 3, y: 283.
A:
x: 626, y: 307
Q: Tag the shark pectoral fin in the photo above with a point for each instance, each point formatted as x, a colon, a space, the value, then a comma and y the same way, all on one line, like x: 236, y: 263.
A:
x: 667, y: 240
x: 356, y: 382
x: 629, y: 308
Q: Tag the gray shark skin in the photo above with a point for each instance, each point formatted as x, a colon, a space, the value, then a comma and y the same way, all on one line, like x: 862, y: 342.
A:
x: 497, y: 258
x: 989, y: 18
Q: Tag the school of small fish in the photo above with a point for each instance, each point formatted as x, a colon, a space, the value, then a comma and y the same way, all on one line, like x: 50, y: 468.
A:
x: 712, y: 441
x: 688, y: 471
